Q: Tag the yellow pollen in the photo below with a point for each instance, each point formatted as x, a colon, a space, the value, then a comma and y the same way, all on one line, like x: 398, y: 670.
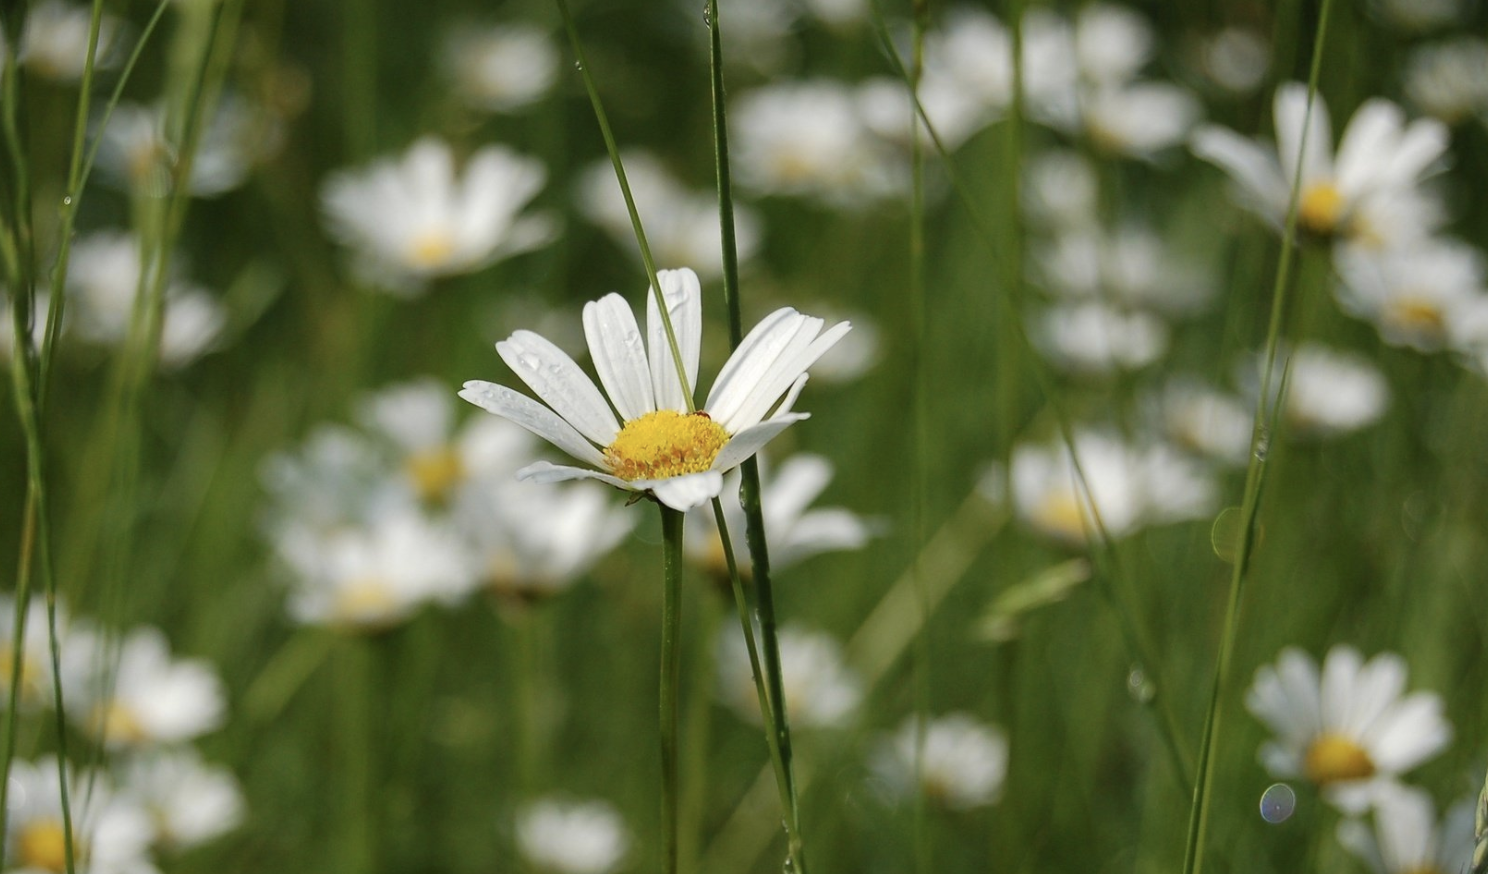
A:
x: 42, y: 844
x: 435, y: 472
x: 1320, y: 208
x: 120, y: 725
x: 365, y: 601
x: 1417, y: 315
x: 1333, y: 757
x: 431, y: 249
x: 665, y: 444
x: 1061, y: 514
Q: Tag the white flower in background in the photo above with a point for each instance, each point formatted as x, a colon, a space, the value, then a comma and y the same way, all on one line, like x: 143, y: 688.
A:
x: 103, y: 280
x: 1130, y: 487
x: 189, y: 801
x: 794, y: 530
x: 371, y: 578
x: 36, y: 656
x: 1061, y: 189
x: 837, y: 13
x: 1204, y: 420
x: 1129, y: 265
x: 854, y: 355
x: 884, y: 105
x: 1379, y: 155
x: 1407, y: 838
x: 55, y: 41
x: 39, y: 312
x: 501, y: 68
x: 820, y: 691
x: 807, y: 139
x: 111, y: 835
x: 1419, y: 296
x: 962, y: 765
x: 1332, y: 393
x: 682, y: 226
x: 136, y: 153
x: 572, y: 838
x: 1094, y: 338
x: 656, y: 445
x: 1348, y: 730
x: 337, y: 479
x: 1139, y: 119
x: 1449, y: 80
x: 1236, y: 59
x: 412, y: 219
x: 133, y: 694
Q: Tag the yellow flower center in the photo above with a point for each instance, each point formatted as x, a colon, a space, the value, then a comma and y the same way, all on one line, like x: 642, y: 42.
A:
x: 1320, y: 208
x: 665, y: 444
x: 119, y: 724
x: 1333, y: 757
x: 431, y: 249
x: 30, y: 676
x: 1417, y: 315
x: 365, y: 601
x: 1061, y: 514
x: 435, y: 472
x: 43, y: 844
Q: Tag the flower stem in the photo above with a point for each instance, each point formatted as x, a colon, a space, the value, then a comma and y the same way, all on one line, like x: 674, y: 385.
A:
x: 1193, y: 862
x: 671, y: 678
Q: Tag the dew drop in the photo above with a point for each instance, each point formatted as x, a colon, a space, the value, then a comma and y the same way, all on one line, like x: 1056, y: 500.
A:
x: 1262, y: 442
x: 707, y: 17
x: 67, y: 201
x: 1140, y: 687
x: 579, y: 65
x: 1277, y: 803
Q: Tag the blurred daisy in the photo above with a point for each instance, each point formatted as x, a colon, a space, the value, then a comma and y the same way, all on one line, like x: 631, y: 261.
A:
x: 55, y: 42
x: 1129, y: 487
x: 413, y: 219
x: 855, y: 354
x: 1203, y: 420
x: 189, y: 801
x: 40, y: 311
x: 572, y: 838
x: 36, y: 655
x: 794, y: 530
x: 1379, y: 154
x: 1349, y: 730
x: 135, y: 152
x: 962, y: 764
x: 1407, y: 837
x: 1449, y: 80
x: 501, y: 68
x: 1236, y: 59
x: 1094, y: 338
x: 144, y: 696
x: 657, y: 446
x: 1129, y: 265
x: 807, y: 139
x: 1417, y: 296
x: 338, y: 479
x: 1061, y: 189
x: 103, y: 280
x: 111, y: 835
x: 1332, y: 393
x: 682, y: 226
x: 820, y: 691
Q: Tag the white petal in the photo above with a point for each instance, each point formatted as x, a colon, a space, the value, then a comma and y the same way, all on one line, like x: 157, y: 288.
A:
x: 535, y: 417
x: 547, y: 472
x: 796, y: 484
x: 619, y: 355
x: 752, y: 439
x: 555, y: 378
x: 685, y: 492
x: 684, y: 297
x: 1255, y: 171
x: 784, y: 372
x: 750, y: 360
x: 1291, y: 111
x: 1367, y: 144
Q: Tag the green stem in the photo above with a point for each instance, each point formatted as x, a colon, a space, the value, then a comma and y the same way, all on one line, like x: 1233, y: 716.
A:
x: 671, y: 678
x: 698, y: 728
x: 357, y: 716
x: 1193, y: 862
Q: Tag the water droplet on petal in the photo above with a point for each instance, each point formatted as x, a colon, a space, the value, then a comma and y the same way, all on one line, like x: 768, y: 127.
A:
x: 1277, y: 803
x: 1140, y: 687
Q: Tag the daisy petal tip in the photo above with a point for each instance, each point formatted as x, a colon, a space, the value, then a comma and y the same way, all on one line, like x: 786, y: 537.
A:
x: 684, y: 493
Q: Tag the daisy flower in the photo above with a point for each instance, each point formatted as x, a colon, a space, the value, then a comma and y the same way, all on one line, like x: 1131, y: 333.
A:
x: 55, y: 41
x: 1417, y: 296
x: 111, y: 834
x: 1449, y: 80
x: 962, y: 765
x: 189, y: 801
x: 1203, y: 420
x: 572, y: 838
x: 503, y: 68
x: 1332, y: 393
x: 1407, y: 837
x: 413, y: 219
x: 657, y: 446
x: 1348, y: 730
x: 1128, y: 265
x: 820, y: 691
x: 1094, y: 338
x: 36, y: 656
x: 1378, y: 155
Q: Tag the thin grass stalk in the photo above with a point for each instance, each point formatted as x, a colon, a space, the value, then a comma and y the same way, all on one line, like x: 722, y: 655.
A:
x: 671, y: 678
x: 1193, y: 862
x: 355, y: 667
x: 1009, y: 351
x: 635, y: 216
x: 1105, y: 558
x: 778, y: 719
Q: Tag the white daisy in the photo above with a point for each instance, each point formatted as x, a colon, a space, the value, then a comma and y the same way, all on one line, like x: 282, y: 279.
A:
x: 820, y: 691
x: 145, y: 697
x: 36, y: 656
x: 1236, y: 59
x: 1418, y: 295
x: 1407, y: 837
x: 111, y: 834
x: 962, y: 765
x: 501, y: 68
x: 1332, y: 393
x: 189, y: 801
x: 794, y: 529
x: 55, y: 41
x: 1128, y: 265
x: 1061, y: 189
x: 337, y: 479
x: 1203, y: 420
x: 572, y: 838
x: 1349, y: 730
x: 135, y: 152
x: 656, y: 445
x: 413, y: 219
x: 1094, y: 338
x: 1379, y: 155
x: 1449, y: 80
